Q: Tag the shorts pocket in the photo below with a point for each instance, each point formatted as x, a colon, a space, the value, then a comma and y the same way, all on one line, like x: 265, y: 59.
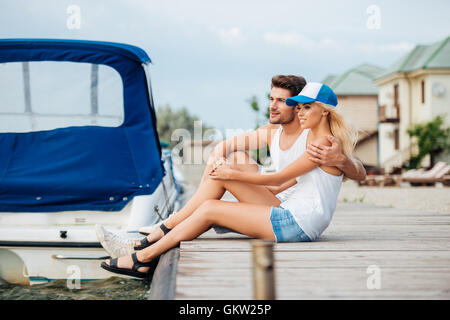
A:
x: 279, y: 214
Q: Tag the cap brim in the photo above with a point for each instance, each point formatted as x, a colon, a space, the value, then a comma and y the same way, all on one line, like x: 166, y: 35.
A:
x: 292, y: 102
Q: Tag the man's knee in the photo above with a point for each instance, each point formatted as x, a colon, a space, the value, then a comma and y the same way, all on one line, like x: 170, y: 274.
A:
x: 206, y: 209
x: 207, y: 204
x: 240, y: 160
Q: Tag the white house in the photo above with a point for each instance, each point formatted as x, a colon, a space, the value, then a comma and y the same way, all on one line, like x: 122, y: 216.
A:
x: 358, y: 104
x: 414, y: 90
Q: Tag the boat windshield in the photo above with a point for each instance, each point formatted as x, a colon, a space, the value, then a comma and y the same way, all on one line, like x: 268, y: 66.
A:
x: 46, y: 95
x: 77, y: 126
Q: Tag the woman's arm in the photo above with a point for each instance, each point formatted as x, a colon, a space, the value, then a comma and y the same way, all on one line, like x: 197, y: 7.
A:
x: 284, y: 186
x: 297, y: 168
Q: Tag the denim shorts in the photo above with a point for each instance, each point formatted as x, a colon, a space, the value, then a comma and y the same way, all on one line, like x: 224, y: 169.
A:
x: 284, y: 226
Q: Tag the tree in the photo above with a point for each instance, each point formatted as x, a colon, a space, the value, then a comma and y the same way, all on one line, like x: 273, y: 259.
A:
x: 431, y: 139
x: 169, y: 120
x: 254, y: 104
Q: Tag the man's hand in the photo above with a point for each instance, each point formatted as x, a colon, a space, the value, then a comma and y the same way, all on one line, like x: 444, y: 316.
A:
x: 331, y: 156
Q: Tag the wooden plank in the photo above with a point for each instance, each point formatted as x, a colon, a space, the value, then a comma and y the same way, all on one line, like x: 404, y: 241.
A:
x: 411, y: 248
x: 323, y: 283
x: 164, y: 277
x: 297, y: 260
x: 328, y: 244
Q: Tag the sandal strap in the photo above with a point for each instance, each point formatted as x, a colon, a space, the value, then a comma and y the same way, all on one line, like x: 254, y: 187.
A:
x: 164, y: 229
x: 138, y: 264
x: 113, y: 262
x: 145, y: 242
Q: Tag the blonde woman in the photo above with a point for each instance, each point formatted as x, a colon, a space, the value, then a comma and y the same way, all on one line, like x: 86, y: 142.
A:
x: 299, y: 213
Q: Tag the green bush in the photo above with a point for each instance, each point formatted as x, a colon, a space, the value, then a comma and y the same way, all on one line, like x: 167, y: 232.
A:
x: 431, y: 138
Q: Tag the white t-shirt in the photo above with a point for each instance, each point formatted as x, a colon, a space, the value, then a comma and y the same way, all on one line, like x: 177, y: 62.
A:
x: 312, y: 201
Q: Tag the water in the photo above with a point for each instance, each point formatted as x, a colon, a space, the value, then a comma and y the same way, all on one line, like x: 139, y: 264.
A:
x: 114, y: 288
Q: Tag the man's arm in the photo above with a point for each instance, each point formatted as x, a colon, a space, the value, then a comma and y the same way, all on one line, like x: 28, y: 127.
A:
x: 256, y: 139
x: 247, y: 141
x: 332, y: 156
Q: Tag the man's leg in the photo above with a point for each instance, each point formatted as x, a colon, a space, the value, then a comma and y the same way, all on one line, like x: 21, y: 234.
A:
x: 214, y: 189
x: 207, y: 190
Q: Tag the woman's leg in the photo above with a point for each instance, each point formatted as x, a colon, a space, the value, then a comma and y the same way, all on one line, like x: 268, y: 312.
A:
x: 254, y: 223
x: 214, y: 189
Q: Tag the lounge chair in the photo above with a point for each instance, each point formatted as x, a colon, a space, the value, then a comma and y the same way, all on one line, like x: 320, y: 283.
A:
x: 379, y: 180
x: 430, y: 177
x: 371, y: 180
x: 392, y: 180
x: 446, y: 180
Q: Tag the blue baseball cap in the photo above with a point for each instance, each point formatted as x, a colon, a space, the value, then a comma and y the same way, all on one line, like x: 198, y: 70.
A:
x: 314, y: 91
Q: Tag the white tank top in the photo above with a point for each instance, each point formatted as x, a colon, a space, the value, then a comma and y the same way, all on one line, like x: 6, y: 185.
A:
x: 312, y: 201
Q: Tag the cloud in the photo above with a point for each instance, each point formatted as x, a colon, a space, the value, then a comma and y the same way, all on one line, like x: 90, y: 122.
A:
x: 292, y: 39
x: 230, y: 36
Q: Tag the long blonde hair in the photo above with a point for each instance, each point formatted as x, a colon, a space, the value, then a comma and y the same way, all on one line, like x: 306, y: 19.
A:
x: 347, y: 135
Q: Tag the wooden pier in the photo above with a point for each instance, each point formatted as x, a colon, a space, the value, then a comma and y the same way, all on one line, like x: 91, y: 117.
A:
x: 367, y: 252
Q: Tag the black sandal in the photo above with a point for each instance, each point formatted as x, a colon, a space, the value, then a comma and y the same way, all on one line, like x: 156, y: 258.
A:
x: 145, y: 243
x: 112, y: 267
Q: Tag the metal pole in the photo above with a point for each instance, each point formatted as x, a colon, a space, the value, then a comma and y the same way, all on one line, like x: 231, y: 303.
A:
x: 94, y: 93
x: 26, y: 86
x: 263, y: 270
x: 27, y: 94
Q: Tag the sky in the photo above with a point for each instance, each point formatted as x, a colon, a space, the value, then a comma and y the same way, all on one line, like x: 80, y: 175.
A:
x: 212, y: 56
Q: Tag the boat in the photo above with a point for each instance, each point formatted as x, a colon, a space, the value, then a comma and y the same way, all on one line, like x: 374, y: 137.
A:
x: 79, y: 147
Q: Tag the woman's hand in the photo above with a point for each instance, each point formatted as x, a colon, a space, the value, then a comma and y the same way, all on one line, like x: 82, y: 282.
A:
x: 217, y: 163
x: 222, y: 171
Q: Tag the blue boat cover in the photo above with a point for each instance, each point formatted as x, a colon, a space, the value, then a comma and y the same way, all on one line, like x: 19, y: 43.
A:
x: 85, y: 167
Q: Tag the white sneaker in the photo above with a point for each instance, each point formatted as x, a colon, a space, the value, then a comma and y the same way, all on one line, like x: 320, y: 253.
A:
x: 115, y: 245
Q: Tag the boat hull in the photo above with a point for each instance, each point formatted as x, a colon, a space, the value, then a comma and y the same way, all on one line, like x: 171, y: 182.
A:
x: 39, y: 247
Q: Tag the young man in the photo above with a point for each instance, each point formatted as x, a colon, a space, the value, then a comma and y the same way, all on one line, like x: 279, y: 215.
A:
x: 283, y: 87
x: 284, y: 121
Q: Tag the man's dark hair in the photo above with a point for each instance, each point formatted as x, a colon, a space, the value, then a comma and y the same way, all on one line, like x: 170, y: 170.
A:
x: 292, y: 83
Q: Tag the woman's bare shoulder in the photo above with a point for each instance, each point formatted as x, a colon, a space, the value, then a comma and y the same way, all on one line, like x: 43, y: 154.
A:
x: 323, y: 140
